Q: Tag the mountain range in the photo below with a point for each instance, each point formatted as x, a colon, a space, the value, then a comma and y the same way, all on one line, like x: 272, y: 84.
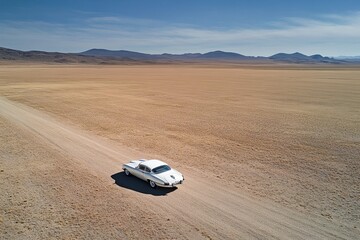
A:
x: 11, y: 55
x: 215, y: 55
x: 104, y: 56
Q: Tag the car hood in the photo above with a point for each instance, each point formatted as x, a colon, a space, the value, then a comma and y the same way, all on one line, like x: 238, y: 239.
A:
x: 170, y: 176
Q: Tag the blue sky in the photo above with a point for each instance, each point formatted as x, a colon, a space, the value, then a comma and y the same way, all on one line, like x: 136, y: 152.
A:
x: 261, y: 27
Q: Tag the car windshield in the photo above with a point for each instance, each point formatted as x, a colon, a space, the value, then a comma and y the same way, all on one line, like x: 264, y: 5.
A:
x: 161, y: 169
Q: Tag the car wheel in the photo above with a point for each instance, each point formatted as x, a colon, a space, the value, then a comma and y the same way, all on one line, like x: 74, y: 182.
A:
x: 127, y: 173
x: 152, y: 184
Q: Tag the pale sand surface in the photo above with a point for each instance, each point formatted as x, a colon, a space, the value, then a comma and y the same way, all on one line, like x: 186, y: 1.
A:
x: 266, y: 152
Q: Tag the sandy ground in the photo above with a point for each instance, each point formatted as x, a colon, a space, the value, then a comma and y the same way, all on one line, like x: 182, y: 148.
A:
x: 267, y: 153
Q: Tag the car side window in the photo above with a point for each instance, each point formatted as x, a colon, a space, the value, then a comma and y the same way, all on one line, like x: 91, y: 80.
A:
x: 141, y: 167
x: 147, y: 169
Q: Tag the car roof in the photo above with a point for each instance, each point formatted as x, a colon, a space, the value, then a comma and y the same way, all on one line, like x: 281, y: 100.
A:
x: 153, y: 163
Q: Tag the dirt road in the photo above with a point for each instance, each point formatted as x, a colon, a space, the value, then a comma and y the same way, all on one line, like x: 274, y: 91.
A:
x: 201, y: 208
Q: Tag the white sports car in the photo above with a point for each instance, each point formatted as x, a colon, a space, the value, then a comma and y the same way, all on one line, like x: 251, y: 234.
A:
x: 155, y: 172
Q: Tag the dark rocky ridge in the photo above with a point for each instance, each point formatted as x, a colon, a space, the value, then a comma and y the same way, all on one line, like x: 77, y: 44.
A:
x: 57, y: 57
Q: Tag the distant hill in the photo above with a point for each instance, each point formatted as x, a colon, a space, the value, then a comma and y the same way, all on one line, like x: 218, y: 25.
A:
x: 301, y: 58
x: 104, y: 56
x: 117, y: 54
x: 224, y: 55
x: 349, y: 58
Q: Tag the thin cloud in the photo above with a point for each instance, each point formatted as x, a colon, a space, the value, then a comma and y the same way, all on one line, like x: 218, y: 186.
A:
x: 111, y: 20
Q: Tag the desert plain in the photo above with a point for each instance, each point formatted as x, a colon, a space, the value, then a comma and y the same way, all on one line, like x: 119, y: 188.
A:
x: 268, y: 152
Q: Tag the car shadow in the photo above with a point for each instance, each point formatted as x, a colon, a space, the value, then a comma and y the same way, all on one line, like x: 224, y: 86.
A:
x: 138, y: 185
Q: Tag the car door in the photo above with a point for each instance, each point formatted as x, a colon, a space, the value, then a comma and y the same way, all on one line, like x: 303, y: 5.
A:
x: 139, y: 171
x: 146, y: 173
x: 143, y: 172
